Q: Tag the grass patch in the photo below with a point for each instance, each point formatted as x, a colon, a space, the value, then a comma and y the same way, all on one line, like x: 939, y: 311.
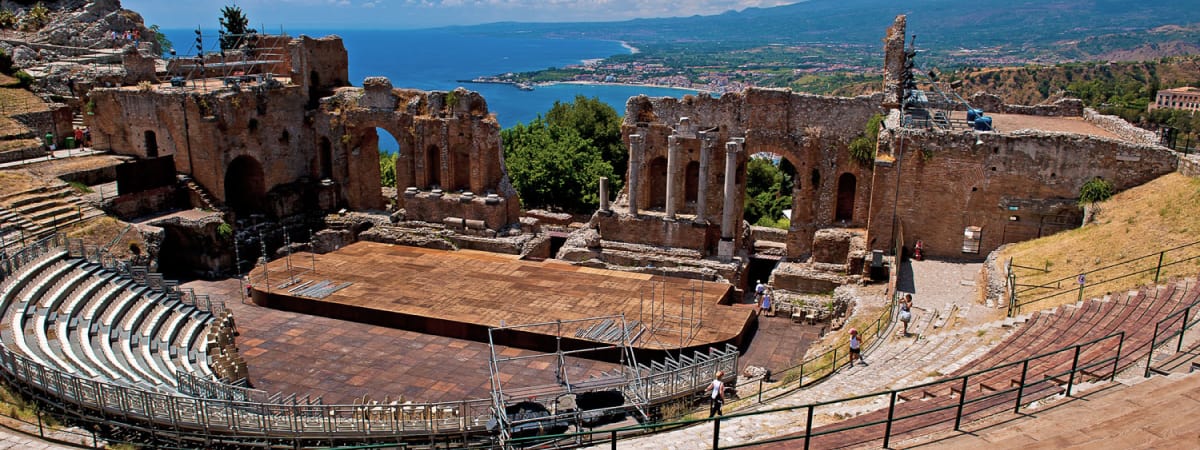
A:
x: 13, y: 181
x: 79, y: 187
x: 1141, y: 221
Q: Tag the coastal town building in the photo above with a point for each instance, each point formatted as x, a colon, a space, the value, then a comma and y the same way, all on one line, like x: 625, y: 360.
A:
x: 1186, y: 98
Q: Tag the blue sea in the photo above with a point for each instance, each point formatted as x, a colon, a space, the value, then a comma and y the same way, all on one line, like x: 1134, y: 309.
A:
x: 437, y: 59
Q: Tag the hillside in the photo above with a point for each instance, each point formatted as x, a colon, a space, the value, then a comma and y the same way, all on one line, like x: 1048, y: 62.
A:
x: 1139, y: 222
x: 980, y: 32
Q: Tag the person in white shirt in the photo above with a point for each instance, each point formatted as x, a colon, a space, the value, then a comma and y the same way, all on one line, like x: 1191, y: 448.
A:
x: 717, y: 392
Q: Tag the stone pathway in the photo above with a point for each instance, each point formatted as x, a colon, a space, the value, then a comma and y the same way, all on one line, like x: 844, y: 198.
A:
x: 950, y: 328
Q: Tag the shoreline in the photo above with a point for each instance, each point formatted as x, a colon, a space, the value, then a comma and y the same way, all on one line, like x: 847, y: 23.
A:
x: 646, y: 85
x: 632, y: 50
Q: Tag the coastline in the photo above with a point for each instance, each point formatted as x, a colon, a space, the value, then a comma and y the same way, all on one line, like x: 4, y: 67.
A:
x: 646, y: 85
x: 632, y: 50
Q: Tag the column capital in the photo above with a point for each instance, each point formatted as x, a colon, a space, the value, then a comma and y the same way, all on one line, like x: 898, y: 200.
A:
x: 636, y: 138
x: 735, y: 145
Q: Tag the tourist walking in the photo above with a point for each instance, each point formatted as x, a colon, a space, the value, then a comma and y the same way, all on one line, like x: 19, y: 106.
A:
x: 768, y: 303
x: 906, y: 312
x: 759, y: 290
x: 856, y: 348
x: 717, y: 392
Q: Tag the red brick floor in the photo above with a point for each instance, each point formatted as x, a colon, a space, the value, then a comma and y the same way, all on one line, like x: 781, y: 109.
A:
x: 339, y: 361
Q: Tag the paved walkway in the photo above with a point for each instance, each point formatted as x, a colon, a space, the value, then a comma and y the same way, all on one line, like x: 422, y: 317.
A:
x: 58, y: 154
x: 950, y: 328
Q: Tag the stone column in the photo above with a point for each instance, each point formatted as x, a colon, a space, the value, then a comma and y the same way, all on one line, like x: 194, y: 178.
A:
x: 672, y: 168
x: 708, y: 141
x: 636, y: 147
x: 732, y: 148
x: 604, y: 194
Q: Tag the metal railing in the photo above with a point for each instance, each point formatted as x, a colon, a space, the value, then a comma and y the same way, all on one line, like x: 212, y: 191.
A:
x: 1171, y: 328
x: 1092, y: 360
x: 1095, y: 282
x: 235, y: 413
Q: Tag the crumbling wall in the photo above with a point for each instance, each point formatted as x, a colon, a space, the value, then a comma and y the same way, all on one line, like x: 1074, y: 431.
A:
x: 811, y: 132
x: 1013, y: 186
x: 1066, y: 107
x: 1120, y: 127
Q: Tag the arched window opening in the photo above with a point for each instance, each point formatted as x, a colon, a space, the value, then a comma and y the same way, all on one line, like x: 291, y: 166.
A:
x: 847, y: 185
x: 151, y: 144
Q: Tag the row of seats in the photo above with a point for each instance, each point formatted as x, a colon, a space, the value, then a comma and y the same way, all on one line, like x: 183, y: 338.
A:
x: 77, y: 317
x: 1085, y: 324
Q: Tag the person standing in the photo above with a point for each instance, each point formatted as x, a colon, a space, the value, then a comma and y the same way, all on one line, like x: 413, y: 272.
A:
x: 759, y: 290
x: 906, y: 312
x: 717, y: 393
x: 856, y: 348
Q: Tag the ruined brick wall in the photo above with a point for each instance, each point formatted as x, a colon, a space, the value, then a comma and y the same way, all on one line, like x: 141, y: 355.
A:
x: 811, y: 132
x: 893, y: 63
x: 1120, y: 127
x: 1066, y: 107
x: 1014, y: 187
x: 319, y: 65
x: 449, y: 160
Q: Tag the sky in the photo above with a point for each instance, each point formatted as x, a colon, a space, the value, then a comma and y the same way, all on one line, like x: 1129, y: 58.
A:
x: 410, y: 14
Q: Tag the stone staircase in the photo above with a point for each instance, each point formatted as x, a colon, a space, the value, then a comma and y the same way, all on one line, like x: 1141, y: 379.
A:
x: 198, y: 195
x: 40, y: 211
x: 897, y: 361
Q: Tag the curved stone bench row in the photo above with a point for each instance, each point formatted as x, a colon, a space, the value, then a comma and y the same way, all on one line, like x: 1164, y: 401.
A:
x: 80, y: 319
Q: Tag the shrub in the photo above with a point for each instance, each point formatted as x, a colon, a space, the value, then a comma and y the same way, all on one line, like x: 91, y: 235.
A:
x: 25, y: 79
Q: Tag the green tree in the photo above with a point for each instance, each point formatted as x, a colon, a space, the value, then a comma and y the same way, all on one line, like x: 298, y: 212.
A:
x: 768, y: 193
x: 598, y: 123
x: 161, y: 38
x: 862, y: 148
x: 234, y: 26
x: 387, y: 168
x: 36, y: 18
x: 553, y: 166
x: 1095, y: 190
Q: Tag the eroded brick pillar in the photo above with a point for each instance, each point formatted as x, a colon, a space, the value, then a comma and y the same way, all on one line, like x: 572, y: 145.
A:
x: 708, y: 142
x: 672, y: 168
x: 604, y: 194
x: 732, y: 148
x: 636, y: 148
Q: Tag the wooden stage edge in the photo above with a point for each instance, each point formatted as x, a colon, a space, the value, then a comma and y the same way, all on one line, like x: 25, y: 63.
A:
x: 462, y: 294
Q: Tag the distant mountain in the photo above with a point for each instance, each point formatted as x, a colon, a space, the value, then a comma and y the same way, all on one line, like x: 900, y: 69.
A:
x: 1050, y: 28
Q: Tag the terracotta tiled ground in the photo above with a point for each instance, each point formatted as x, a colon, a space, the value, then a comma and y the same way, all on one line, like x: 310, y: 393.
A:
x: 288, y: 352
x: 487, y: 290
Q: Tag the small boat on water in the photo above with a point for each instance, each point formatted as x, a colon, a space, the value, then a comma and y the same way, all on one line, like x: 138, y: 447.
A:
x: 524, y: 86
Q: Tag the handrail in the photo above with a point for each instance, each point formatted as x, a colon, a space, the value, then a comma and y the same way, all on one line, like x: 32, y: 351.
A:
x: 1075, y: 369
x: 1183, y: 327
x: 1016, y: 304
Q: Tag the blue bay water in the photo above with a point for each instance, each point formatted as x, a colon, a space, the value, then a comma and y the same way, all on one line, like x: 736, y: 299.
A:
x: 437, y: 59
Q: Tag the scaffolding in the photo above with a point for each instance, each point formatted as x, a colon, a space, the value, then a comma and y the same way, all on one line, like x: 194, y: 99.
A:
x: 657, y: 323
x: 258, y: 60
x: 515, y: 410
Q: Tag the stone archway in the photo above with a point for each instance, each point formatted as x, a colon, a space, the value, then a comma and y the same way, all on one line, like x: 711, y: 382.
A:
x: 847, y: 185
x: 245, y: 187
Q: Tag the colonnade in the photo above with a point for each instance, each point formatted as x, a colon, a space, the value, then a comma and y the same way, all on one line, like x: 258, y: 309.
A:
x: 709, y: 140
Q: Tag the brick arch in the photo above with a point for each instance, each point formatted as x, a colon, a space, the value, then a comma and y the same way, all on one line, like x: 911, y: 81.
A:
x: 245, y: 186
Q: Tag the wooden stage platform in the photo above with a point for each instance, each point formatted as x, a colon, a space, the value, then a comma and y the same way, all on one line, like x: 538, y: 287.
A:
x: 461, y: 294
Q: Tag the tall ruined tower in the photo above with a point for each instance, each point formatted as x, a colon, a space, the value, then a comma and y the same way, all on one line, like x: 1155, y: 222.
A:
x: 893, y: 64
